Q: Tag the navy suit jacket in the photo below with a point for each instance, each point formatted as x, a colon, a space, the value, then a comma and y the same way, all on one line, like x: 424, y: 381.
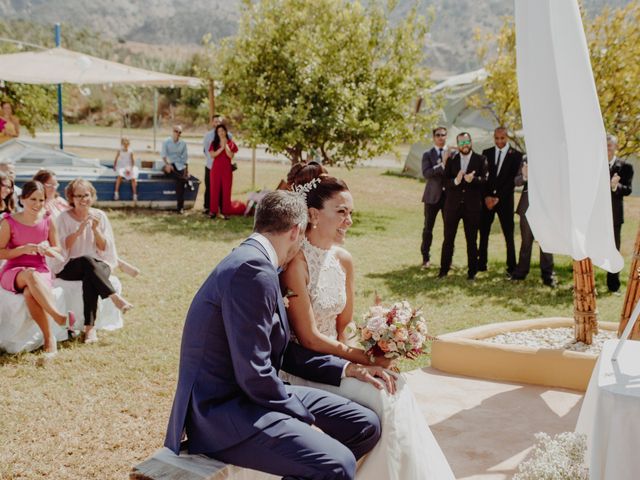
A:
x: 434, y: 175
x: 235, y: 340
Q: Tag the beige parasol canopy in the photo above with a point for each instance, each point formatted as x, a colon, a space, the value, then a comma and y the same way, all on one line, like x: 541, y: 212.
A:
x: 59, y: 65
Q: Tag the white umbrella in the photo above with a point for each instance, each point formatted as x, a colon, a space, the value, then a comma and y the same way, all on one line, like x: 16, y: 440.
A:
x: 59, y: 65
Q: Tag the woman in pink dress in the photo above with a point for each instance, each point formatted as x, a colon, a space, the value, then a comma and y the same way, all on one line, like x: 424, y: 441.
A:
x: 25, y: 239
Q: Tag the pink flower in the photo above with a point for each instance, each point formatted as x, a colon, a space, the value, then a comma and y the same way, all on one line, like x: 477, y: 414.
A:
x: 384, y: 345
x: 401, y: 334
x: 366, y: 333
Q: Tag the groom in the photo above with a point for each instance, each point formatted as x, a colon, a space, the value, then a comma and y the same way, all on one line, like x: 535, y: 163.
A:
x: 230, y: 400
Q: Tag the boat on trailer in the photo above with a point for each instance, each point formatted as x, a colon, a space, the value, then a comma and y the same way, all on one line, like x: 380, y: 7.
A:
x: 155, y: 189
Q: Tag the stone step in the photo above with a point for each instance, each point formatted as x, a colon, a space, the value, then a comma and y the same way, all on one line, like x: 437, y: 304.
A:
x: 166, y: 465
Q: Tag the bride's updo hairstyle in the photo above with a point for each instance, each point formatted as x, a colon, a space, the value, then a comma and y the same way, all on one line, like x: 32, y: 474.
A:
x: 316, y: 182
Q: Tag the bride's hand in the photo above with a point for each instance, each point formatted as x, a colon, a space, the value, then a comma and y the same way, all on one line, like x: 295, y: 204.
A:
x: 376, y: 376
x: 383, y: 362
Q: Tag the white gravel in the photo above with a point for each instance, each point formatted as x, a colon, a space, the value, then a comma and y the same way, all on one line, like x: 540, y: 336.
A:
x: 557, y: 338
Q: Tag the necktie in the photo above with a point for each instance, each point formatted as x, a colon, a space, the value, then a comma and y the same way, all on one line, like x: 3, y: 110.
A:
x: 439, y: 154
x: 498, y: 162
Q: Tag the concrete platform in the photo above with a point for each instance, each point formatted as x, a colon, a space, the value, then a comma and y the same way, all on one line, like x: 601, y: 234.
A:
x: 486, y: 428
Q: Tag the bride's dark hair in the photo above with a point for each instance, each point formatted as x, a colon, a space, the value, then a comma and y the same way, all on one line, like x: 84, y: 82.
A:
x: 303, y: 174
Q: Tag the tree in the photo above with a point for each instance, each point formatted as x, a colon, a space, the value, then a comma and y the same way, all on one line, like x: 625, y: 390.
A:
x: 614, y: 45
x: 32, y: 104
x: 326, y: 75
x: 500, y: 100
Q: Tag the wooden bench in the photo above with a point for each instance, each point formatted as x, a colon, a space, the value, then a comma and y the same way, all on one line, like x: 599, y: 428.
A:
x: 166, y: 465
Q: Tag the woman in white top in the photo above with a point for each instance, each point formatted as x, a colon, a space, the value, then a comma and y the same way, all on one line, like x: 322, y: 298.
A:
x: 89, y: 251
x: 321, y: 275
x: 127, y: 169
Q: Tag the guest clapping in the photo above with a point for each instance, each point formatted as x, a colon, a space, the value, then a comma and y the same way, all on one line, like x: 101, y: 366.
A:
x: 25, y: 239
x: 89, y: 252
x: 222, y: 150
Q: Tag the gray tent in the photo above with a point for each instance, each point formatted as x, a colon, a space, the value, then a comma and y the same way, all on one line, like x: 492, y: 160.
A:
x: 457, y: 116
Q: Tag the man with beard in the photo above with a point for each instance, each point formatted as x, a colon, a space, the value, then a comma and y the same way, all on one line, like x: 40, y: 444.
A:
x: 465, y: 176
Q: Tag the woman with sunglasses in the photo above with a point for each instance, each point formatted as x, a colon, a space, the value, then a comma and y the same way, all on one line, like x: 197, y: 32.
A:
x: 89, y: 252
x: 53, y: 202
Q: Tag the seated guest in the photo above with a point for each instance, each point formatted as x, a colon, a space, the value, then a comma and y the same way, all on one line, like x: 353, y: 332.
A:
x: 25, y: 238
x: 89, y: 252
x: 176, y: 164
x: 9, y: 123
x: 10, y: 170
x: 7, y: 202
x: 127, y: 169
x: 55, y: 205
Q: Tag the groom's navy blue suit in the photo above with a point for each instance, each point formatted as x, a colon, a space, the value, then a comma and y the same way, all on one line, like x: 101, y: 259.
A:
x: 229, y: 398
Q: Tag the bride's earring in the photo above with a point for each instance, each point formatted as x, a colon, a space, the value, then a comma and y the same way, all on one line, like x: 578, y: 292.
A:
x: 314, y: 225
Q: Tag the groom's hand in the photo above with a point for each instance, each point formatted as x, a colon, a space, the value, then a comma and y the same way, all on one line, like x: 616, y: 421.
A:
x: 376, y: 376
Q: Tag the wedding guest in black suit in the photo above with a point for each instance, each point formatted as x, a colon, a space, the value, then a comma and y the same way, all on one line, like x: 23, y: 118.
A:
x: 621, y: 174
x: 504, y: 165
x: 433, y: 162
x: 465, y: 175
x: 526, y: 235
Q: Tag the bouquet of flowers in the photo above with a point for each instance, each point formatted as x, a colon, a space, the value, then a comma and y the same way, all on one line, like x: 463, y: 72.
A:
x: 396, y: 331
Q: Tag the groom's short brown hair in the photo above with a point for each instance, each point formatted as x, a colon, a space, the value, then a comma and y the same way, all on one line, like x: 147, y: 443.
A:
x: 279, y: 211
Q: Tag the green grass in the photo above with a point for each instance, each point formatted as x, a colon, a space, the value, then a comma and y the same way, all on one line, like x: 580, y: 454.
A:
x: 97, y: 410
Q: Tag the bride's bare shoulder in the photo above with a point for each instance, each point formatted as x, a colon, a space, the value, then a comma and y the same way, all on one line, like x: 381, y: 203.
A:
x: 344, y: 257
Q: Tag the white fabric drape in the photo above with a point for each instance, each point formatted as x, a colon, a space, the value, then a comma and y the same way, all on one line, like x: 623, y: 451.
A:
x: 570, y: 200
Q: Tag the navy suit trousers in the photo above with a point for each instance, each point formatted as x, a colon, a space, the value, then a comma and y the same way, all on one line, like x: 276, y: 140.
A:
x: 294, y: 450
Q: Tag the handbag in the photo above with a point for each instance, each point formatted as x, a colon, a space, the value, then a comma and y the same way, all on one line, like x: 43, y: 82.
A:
x: 234, y: 166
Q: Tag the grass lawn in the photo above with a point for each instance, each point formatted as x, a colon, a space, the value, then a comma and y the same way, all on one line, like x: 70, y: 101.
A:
x: 97, y: 410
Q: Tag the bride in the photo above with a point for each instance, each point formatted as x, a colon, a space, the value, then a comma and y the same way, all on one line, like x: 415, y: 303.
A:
x: 321, y: 278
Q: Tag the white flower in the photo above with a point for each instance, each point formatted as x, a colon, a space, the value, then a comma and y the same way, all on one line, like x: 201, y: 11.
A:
x: 376, y: 324
x: 416, y: 339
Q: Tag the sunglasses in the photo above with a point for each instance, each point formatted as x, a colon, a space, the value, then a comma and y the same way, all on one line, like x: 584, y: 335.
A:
x: 440, y: 135
x: 462, y: 143
x: 178, y: 132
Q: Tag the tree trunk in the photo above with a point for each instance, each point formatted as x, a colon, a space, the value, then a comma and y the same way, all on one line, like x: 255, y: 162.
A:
x: 633, y: 292
x: 585, y: 313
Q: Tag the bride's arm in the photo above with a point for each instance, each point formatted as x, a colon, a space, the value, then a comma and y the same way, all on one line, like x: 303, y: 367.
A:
x: 302, y: 321
x: 346, y: 316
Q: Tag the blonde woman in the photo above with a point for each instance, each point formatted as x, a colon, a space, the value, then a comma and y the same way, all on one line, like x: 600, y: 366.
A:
x: 89, y: 252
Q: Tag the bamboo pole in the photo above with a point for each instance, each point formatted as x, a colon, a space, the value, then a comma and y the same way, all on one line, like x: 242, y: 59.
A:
x: 585, y: 312
x: 633, y: 292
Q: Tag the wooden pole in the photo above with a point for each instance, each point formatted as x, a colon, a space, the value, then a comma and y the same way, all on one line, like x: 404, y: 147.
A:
x: 253, y: 168
x: 584, y: 301
x: 212, y: 99
x: 633, y: 292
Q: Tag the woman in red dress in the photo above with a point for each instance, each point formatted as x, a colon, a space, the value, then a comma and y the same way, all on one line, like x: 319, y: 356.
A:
x: 222, y: 151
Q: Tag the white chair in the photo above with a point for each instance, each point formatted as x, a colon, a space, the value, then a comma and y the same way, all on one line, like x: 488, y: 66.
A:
x: 18, y: 331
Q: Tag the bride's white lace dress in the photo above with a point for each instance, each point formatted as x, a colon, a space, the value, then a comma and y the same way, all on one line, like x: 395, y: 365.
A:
x: 407, y: 449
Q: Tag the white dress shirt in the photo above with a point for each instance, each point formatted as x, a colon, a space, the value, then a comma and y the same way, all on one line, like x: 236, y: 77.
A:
x: 502, y: 152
